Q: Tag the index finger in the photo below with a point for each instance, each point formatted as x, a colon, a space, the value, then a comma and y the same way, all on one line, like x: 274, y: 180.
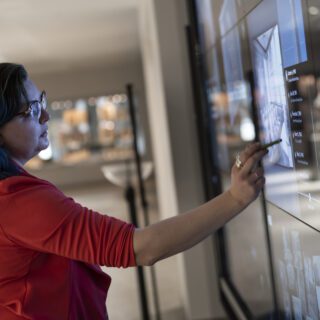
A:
x: 253, y: 161
x: 249, y: 151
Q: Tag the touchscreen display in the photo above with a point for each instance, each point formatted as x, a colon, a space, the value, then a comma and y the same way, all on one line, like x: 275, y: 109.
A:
x: 277, y: 41
x: 229, y: 99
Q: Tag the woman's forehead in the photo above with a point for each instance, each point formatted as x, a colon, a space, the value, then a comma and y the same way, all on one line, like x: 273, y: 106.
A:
x: 32, y: 90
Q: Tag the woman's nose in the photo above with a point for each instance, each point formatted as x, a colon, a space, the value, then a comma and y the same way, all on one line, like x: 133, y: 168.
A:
x: 44, y: 117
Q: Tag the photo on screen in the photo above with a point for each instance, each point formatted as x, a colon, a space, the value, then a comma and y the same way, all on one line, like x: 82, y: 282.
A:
x: 296, y: 260
x: 273, y: 106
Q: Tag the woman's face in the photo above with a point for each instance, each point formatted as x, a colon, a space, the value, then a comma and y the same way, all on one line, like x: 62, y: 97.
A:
x: 25, y: 136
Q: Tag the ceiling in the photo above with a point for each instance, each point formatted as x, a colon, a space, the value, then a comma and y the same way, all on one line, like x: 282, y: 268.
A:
x: 57, y: 35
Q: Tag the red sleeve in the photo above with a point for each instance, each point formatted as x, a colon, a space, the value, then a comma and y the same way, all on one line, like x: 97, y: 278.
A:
x: 42, y: 218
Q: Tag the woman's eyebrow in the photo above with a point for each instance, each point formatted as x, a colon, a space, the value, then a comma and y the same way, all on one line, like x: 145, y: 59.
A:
x: 36, y: 99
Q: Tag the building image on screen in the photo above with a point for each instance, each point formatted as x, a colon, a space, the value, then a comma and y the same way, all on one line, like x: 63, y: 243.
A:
x: 297, y: 266
x: 273, y: 106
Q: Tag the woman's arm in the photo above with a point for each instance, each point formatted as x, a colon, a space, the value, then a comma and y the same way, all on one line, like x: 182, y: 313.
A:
x: 174, y: 235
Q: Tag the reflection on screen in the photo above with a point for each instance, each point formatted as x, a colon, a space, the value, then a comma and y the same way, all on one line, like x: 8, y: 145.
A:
x: 233, y: 71
x: 292, y: 32
x: 228, y: 16
x: 206, y: 23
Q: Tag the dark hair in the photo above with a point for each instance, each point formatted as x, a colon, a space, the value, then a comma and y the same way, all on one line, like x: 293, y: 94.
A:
x: 12, y: 94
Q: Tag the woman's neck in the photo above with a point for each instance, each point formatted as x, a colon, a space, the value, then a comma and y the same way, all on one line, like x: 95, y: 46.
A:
x: 19, y: 162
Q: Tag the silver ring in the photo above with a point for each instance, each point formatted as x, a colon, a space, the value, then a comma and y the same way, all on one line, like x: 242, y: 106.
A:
x: 239, y: 163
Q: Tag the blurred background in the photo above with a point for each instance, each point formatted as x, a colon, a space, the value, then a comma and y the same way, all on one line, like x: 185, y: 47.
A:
x: 83, y: 54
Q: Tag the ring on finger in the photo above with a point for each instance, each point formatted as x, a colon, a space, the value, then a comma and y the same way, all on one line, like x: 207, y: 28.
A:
x: 239, y: 163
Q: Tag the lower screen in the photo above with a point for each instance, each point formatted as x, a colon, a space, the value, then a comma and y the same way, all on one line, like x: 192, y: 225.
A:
x: 247, y: 256
x: 296, y: 258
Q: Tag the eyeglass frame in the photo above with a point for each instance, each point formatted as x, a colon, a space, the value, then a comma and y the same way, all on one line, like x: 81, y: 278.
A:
x: 42, y: 102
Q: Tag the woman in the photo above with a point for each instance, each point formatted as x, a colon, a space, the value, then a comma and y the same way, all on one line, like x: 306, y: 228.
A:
x: 50, y: 246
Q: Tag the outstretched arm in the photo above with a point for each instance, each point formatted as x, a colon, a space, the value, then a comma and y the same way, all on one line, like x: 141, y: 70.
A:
x: 174, y: 235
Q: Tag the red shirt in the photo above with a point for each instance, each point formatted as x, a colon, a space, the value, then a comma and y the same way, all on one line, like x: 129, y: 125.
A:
x: 50, y: 251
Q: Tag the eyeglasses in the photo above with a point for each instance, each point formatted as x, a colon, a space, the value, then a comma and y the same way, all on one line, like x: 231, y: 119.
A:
x: 35, y: 107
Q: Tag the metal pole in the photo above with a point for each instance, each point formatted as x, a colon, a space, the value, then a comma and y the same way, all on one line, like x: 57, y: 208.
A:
x: 130, y: 196
x: 143, y: 199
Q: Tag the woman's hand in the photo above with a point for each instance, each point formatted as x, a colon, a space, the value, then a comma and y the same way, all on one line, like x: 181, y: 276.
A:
x: 247, y: 179
x: 181, y: 232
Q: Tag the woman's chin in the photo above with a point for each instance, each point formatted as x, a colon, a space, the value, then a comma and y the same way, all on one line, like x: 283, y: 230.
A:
x: 43, y: 145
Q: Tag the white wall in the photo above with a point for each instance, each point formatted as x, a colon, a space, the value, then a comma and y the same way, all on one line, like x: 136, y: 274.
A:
x: 90, y: 81
x: 156, y: 101
x: 175, y: 144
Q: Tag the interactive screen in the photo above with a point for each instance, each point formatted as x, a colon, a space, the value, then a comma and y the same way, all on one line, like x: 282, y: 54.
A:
x: 276, y: 41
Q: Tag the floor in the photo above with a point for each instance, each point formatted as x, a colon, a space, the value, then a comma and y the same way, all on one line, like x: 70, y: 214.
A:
x: 123, y: 299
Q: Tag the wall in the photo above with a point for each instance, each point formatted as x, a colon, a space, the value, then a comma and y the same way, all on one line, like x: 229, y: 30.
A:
x: 94, y: 80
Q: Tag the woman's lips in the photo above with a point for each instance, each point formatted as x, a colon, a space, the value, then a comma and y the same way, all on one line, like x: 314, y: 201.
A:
x: 44, y: 134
